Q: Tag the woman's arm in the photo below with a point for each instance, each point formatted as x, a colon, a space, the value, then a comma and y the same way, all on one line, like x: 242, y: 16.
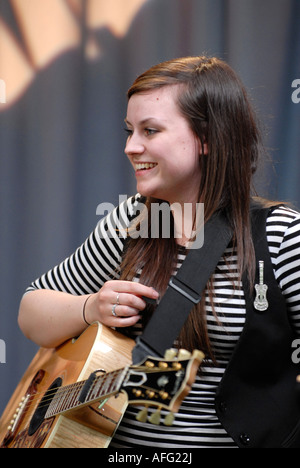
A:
x: 50, y: 317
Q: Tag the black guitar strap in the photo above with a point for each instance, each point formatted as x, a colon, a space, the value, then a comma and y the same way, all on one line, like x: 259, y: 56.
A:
x: 184, y: 291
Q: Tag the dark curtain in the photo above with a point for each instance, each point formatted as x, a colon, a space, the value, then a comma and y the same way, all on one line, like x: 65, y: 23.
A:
x: 62, y: 139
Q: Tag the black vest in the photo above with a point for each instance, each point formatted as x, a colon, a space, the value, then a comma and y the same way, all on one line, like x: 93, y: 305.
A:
x: 257, y: 400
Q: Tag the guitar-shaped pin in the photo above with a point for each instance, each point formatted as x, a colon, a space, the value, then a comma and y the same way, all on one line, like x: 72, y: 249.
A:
x: 261, y: 304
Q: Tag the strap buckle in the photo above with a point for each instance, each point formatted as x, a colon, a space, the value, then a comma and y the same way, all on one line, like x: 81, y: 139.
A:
x: 187, y: 292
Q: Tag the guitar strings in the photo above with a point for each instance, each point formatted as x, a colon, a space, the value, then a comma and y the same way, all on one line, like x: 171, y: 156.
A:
x: 54, y: 394
x: 58, y: 392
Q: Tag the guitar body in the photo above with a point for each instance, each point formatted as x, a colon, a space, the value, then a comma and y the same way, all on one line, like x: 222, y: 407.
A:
x: 89, y: 427
x: 261, y: 302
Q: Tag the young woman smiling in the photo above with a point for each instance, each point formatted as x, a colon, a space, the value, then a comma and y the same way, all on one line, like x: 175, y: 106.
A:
x: 192, y: 138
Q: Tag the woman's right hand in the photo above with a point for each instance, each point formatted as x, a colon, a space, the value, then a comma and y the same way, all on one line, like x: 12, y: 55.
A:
x: 118, y: 303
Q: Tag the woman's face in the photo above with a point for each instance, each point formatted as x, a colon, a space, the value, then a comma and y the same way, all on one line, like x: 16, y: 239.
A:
x: 161, y: 147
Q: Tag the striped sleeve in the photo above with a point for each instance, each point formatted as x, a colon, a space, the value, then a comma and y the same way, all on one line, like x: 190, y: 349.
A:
x: 97, y: 259
x: 283, y: 232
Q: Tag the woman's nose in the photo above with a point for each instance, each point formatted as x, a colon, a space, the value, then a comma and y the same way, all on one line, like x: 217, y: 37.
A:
x: 134, y: 145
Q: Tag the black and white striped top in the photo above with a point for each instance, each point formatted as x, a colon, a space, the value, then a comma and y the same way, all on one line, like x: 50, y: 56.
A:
x: 196, y: 424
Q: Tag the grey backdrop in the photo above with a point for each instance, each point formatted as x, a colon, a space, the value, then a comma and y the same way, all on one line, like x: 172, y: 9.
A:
x: 61, y: 144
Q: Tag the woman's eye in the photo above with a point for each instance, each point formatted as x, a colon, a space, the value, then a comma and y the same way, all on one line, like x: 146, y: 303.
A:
x: 128, y: 131
x: 147, y: 131
x: 150, y: 131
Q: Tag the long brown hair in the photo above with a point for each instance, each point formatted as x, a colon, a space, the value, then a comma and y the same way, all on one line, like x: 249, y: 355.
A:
x: 215, y: 103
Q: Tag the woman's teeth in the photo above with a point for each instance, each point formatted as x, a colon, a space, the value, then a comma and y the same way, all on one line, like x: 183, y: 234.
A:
x: 143, y: 166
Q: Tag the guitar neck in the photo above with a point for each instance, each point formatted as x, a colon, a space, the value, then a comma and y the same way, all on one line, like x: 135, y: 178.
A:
x: 261, y: 272
x: 68, y: 397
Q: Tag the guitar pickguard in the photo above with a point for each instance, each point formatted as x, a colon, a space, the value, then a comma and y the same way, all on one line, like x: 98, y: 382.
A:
x: 22, y: 409
x: 24, y: 440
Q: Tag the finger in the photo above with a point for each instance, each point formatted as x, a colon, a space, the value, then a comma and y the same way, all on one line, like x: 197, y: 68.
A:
x: 121, y: 322
x: 135, y: 288
x: 125, y: 311
x: 132, y: 302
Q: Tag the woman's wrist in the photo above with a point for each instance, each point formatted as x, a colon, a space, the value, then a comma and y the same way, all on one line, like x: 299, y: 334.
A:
x: 84, y: 310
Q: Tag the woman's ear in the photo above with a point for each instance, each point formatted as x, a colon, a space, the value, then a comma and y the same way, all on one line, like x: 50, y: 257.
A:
x: 202, y: 147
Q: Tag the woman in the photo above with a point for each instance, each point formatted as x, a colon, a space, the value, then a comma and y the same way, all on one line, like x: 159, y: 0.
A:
x: 192, y: 138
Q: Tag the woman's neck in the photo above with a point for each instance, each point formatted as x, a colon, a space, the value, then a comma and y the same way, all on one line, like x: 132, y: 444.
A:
x: 188, y: 220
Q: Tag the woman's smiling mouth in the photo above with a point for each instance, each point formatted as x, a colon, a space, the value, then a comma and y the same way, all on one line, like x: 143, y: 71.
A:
x: 144, y: 166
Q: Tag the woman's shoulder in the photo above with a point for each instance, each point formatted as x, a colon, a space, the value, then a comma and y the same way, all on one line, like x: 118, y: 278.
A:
x: 283, y: 230
x: 116, y: 219
x: 283, y: 217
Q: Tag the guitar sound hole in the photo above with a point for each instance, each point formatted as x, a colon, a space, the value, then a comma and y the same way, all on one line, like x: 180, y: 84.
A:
x: 41, y: 410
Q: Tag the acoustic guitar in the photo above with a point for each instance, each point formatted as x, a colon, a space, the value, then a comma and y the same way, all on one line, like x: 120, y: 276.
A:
x: 75, y: 396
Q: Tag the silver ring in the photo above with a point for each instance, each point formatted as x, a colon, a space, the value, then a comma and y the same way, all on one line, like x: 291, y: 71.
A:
x: 118, y: 297
x: 114, y: 311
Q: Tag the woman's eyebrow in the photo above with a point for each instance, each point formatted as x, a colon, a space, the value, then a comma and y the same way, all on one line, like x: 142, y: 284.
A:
x: 142, y: 122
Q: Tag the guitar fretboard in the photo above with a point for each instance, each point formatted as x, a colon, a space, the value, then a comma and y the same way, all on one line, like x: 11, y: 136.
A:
x: 67, y: 398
